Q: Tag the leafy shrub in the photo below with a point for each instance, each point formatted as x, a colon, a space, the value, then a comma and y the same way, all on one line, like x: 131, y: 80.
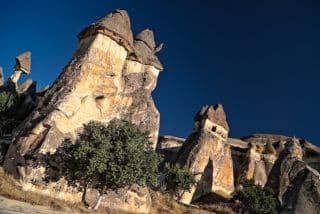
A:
x: 7, y: 102
x: 113, y: 156
x: 258, y: 198
x: 179, y: 179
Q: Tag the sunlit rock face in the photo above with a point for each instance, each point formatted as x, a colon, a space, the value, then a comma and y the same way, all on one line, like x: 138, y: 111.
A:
x: 207, y: 155
x: 111, y: 75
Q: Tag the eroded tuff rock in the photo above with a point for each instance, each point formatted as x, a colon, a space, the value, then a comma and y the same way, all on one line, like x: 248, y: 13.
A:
x: 105, y: 79
x: 169, y: 146
x: 23, y: 95
x: 207, y: 155
x: 132, y: 198
x: 256, y: 160
x: 296, y: 184
x: 257, y: 163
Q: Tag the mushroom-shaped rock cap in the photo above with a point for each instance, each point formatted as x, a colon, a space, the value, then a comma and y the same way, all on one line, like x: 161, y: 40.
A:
x: 147, y: 36
x: 23, y: 62
x: 215, y: 114
x: 115, y: 25
x: 145, y: 49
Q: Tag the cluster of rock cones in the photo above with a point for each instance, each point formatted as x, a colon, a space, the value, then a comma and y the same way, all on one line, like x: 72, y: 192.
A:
x: 112, y: 75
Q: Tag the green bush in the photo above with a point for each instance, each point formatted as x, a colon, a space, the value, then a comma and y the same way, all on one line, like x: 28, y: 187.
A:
x: 7, y: 102
x: 113, y: 156
x: 258, y: 198
x: 179, y: 179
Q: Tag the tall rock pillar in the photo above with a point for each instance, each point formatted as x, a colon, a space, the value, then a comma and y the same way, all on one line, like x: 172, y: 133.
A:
x: 207, y: 155
x: 95, y: 85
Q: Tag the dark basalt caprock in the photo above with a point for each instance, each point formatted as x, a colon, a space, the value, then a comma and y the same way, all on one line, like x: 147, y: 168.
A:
x: 23, y: 62
x: 145, y: 49
x: 116, y: 25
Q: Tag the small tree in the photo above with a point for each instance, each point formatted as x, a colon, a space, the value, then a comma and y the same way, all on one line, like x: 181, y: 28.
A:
x: 179, y: 179
x: 261, y: 199
x: 111, y: 157
x: 8, y: 102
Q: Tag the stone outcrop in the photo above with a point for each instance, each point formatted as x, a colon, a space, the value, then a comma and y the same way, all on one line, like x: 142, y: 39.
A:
x: 257, y: 164
x: 256, y: 157
x: 23, y: 96
x: 296, y: 184
x: 264, y: 138
x: 111, y: 76
x: 169, y: 146
x: 133, y: 198
x: 207, y: 155
x: 105, y: 79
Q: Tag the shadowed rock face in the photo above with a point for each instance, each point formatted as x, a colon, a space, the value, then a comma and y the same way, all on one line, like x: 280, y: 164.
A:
x: 99, y: 83
x: 207, y: 155
x: 257, y: 163
x: 24, y: 93
x: 296, y: 184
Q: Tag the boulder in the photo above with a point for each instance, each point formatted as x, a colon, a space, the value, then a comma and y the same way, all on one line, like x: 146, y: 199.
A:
x: 207, y: 155
x: 133, y: 199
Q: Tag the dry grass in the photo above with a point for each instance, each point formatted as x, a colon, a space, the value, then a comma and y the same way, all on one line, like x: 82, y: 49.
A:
x: 218, y: 208
x: 165, y: 204
x: 9, y: 189
x: 162, y: 203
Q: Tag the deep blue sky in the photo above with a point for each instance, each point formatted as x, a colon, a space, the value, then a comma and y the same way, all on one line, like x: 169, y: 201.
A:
x: 260, y: 59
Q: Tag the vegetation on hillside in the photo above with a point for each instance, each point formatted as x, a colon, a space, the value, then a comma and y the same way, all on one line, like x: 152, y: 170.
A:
x: 255, y: 197
x: 178, y: 179
x: 8, y: 102
x: 111, y: 157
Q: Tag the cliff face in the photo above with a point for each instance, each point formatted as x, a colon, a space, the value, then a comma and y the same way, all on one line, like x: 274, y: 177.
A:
x: 111, y: 75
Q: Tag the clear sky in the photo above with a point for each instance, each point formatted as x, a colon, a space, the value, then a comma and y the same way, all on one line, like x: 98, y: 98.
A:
x: 260, y: 59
